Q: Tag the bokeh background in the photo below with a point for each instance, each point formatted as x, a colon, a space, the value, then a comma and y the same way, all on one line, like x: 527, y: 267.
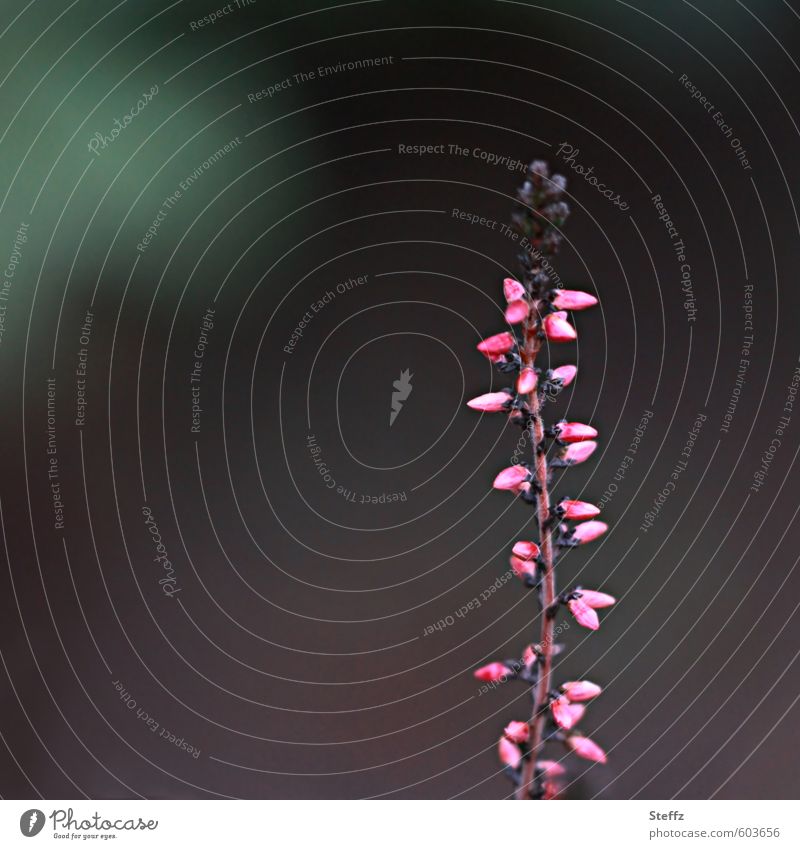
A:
x: 288, y: 650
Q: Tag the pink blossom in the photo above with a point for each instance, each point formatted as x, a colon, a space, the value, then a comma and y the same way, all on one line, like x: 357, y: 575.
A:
x: 517, y: 732
x: 511, y: 477
x: 574, y: 432
x: 578, y: 509
x: 588, y: 531
x: 563, y: 716
x: 529, y: 656
x: 525, y: 549
x: 526, y: 382
x: 523, y: 568
x: 558, y: 329
x: 576, y: 712
x: 491, y: 402
x: 586, y: 748
x: 572, y: 299
x: 516, y: 312
x: 492, y: 672
x: 584, y: 615
x: 513, y: 290
x: 550, y: 790
x: 551, y: 769
x: 596, y: 600
x: 566, y: 374
x: 495, y: 346
x: 580, y: 691
x: 510, y: 755
x: 579, y: 451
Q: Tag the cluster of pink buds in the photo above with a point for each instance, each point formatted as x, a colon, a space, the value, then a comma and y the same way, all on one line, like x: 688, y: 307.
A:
x: 566, y: 706
x: 537, y: 312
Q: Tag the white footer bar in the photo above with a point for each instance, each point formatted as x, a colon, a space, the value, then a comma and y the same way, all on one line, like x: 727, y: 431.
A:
x: 400, y: 824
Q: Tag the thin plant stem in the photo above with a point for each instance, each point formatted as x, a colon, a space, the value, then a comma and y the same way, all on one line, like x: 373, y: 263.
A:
x: 541, y: 687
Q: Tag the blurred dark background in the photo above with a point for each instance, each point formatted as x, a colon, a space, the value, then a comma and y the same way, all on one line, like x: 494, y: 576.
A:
x: 311, y: 545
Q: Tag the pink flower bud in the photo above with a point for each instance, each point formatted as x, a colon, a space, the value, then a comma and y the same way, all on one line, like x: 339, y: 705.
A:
x: 517, y: 732
x: 596, y: 600
x: 510, y: 755
x: 516, y: 312
x: 576, y: 713
x: 529, y: 656
x: 574, y: 432
x: 588, y: 531
x: 550, y: 790
x: 492, y: 672
x: 526, y: 382
x: 491, y: 402
x: 580, y: 691
x: 526, y: 550
x: 584, y: 615
x: 495, y: 346
x: 579, y: 451
x: 513, y: 290
x: 551, y: 769
x: 563, y: 716
x: 511, y: 478
x: 578, y: 509
x: 566, y: 374
x: 558, y: 329
x: 586, y: 748
x: 572, y: 299
x: 523, y: 568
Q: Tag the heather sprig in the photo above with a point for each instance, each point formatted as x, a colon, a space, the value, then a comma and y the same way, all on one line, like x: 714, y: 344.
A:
x: 537, y: 312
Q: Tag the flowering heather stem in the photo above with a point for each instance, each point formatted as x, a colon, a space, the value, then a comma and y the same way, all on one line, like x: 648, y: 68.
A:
x: 538, y: 303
